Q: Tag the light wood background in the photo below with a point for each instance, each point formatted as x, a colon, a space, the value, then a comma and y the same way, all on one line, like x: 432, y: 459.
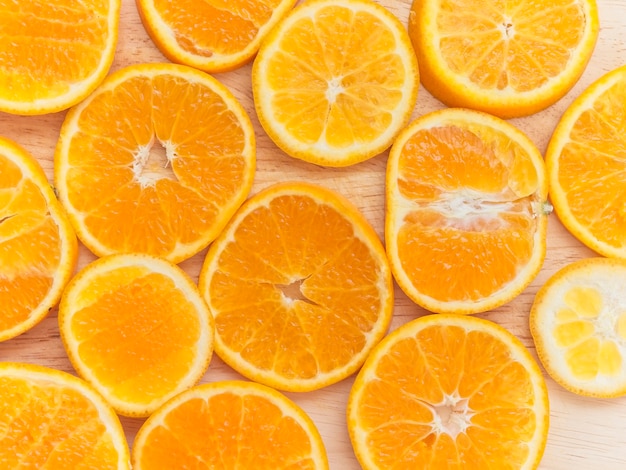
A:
x: 584, y: 433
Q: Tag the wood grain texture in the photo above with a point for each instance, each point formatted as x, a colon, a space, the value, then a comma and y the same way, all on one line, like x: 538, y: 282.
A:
x: 584, y: 434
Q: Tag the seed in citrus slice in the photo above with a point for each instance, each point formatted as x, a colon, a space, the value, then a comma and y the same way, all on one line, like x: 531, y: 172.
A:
x: 55, y: 421
x: 211, y: 36
x: 506, y: 58
x: 38, y: 247
x: 586, y: 164
x: 449, y: 391
x: 466, y: 211
x: 229, y: 424
x: 299, y: 286
x: 136, y: 327
x: 578, y: 323
x: 335, y: 81
x: 53, y: 54
x: 155, y: 161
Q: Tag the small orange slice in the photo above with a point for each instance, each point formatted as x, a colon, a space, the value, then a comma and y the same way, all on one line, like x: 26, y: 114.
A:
x: 586, y: 164
x: 230, y: 424
x: 449, y: 391
x: 155, y: 161
x: 466, y: 211
x: 211, y: 36
x: 335, y: 81
x: 38, y: 248
x: 299, y: 286
x: 53, y: 54
x: 136, y: 327
x: 510, y: 59
x: 52, y: 420
x: 578, y: 322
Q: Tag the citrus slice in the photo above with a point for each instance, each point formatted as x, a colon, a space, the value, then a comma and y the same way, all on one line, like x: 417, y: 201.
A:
x: 335, y: 81
x: 449, y: 391
x: 211, y: 36
x: 299, y: 287
x: 53, y: 54
x: 155, y: 161
x: 137, y: 329
x: 38, y: 247
x: 229, y: 424
x: 466, y: 211
x: 587, y: 166
x: 507, y: 58
x: 54, y: 420
x: 578, y: 323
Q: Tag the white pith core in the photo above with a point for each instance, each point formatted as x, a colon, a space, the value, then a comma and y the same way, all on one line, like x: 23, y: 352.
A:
x: 452, y: 416
x: 153, y: 162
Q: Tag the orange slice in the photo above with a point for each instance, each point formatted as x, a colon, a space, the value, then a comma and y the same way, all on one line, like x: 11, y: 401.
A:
x: 449, y: 391
x: 587, y: 166
x: 466, y: 211
x: 578, y: 322
x: 136, y: 327
x: 229, y: 424
x: 510, y: 58
x: 52, y: 420
x: 211, y: 36
x: 53, y: 54
x: 38, y: 248
x: 299, y: 286
x: 335, y: 81
x: 155, y: 161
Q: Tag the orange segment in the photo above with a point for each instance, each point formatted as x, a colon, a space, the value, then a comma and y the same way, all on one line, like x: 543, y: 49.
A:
x: 38, y: 248
x: 466, y: 212
x: 586, y: 160
x: 510, y: 59
x: 449, y: 391
x: 229, y: 424
x: 212, y: 36
x: 53, y: 420
x: 137, y: 328
x: 335, y: 81
x: 577, y: 322
x: 299, y: 286
x: 155, y: 161
x: 53, y: 54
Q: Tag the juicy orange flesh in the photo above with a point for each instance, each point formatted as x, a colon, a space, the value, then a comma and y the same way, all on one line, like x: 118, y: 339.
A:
x: 331, y: 302
x: 30, y: 245
x: 482, y: 395
x: 228, y: 430
x: 217, y: 27
x: 471, y: 226
x: 47, y: 47
x: 51, y: 426
x: 322, y: 94
x: 135, y: 331
x: 160, y: 206
x: 520, y: 44
x: 592, y: 168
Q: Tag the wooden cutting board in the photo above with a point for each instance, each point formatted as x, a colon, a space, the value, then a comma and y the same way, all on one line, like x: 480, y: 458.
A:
x: 584, y: 434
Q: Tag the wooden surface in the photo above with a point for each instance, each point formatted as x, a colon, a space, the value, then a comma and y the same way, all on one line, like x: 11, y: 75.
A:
x: 584, y: 433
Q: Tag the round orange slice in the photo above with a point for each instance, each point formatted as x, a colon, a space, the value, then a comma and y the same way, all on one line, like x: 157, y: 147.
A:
x: 155, y: 161
x: 449, y: 391
x: 578, y: 322
x: 299, y: 287
x: 211, y: 36
x: 38, y: 247
x: 54, y: 420
x: 507, y: 58
x: 137, y: 329
x: 466, y: 211
x: 229, y: 424
x: 54, y: 53
x: 335, y: 81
